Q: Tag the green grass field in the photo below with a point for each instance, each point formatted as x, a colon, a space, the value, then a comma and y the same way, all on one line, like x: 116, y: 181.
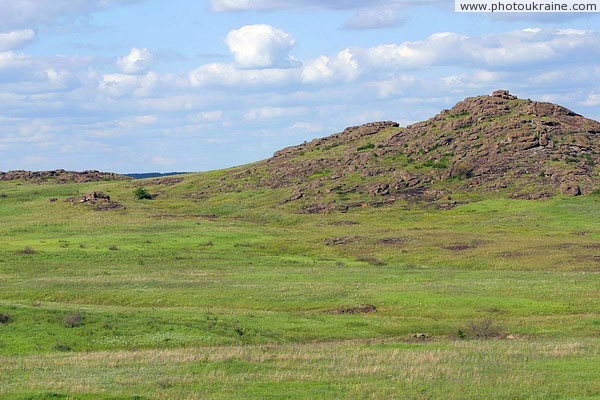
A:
x: 237, y: 296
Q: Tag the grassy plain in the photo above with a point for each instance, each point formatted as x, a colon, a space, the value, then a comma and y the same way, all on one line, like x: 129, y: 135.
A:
x: 236, y: 295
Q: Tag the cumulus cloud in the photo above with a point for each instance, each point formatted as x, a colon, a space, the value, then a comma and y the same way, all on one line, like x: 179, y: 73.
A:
x: 522, y: 47
x: 137, y: 61
x: 15, y: 39
x: 260, y: 46
x: 343, y: 66
x: 142, y: 85
x: 509, y: 50
x: 473, y: 79
x: 120, y: 85
x: 373, y: 18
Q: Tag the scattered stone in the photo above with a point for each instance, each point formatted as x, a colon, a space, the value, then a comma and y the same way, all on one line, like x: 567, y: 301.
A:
x: 360, y: 309
x: 167, y: 181
x: 503, y: 94
x: 570, y: 189
x: 95, y: 197
x: 339, y: 241
x: 319, y: 208
x: 296, y: 195
x: 392, y: 241
x: 113, y: 205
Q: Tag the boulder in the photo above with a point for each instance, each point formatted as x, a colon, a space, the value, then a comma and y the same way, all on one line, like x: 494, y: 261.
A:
x: 570, y: 189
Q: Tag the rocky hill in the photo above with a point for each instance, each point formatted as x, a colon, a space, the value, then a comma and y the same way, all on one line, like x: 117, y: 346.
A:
x: 498, y: 143
x: 61, y: 176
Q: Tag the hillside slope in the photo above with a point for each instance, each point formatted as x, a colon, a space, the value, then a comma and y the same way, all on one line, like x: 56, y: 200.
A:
x: 487, y: 144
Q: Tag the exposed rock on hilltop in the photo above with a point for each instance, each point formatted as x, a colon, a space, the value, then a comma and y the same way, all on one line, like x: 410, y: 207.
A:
x: 61, y: 176
x: 519, y: 148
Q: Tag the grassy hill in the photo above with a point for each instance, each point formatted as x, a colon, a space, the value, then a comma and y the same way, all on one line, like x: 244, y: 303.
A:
x: 233, y: 284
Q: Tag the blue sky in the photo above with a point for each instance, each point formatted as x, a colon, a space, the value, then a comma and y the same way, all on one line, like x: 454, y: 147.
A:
x: 151, y: 85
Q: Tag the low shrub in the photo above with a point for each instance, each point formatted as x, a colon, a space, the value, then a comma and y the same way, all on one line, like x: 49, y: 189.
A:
x: 27, y: 250
x: 480, y: 329
x: 5, y: 318
x: 366, y: 147
x: 62, y: 347
x: 142, y: 194
x: 73, y: 320
x: 461, y: 171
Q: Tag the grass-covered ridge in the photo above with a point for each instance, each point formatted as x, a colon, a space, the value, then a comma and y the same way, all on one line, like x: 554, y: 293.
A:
x: 234, y: 294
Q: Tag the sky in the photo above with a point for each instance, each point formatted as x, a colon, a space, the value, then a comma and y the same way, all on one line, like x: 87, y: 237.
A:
x: 195, y: 85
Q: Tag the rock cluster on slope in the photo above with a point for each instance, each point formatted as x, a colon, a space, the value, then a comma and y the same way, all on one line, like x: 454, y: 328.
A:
x: 61, y: 176
x: 516, y: 147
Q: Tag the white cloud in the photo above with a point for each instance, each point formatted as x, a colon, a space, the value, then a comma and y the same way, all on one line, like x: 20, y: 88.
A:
x: 137, y: 61
x: 394, y: 86
x: 473, y: 79
x: 141, y: 86
x: 264, y: 113
x: 9, y: 59
x: 593, y: 100
x: 217, y: 74
x: 343, y: 66
x: 260, y: 46
x: 420, y: 54
x: 311, y: 127
x: 15, y: 39
x: 373, y: 18
x: 497, y: 50
x: 118, y: 85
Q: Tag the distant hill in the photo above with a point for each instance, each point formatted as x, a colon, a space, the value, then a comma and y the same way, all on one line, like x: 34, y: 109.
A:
x: 61, y: 176
x: 483, y: 145
x: 153, y: 174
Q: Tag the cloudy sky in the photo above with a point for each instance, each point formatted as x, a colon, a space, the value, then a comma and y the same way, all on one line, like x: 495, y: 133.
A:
x: 192, y: 85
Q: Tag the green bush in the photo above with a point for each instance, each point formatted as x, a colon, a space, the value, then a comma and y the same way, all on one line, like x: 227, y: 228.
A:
x: 142, y: 194
x: 5, y: 318
x: 366, y: 147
